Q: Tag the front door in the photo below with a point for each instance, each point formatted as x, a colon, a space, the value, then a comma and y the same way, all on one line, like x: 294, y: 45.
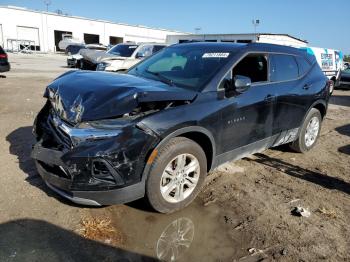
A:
x: 248, y: 116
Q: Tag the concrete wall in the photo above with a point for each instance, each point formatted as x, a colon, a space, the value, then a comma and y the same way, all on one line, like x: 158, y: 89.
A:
x: 281, y: 40
x: 11, y: 18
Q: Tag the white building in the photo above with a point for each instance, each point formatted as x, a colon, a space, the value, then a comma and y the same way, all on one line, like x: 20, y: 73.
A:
x: 279, y: 39
x: 45, y: 29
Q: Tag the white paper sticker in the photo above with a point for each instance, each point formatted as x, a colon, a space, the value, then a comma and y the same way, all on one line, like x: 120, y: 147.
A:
x: 215, y: 55
x: 133, y: 46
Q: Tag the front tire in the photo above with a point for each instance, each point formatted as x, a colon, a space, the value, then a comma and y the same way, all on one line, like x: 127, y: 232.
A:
x: 309, y: 133
x: 176, y: 175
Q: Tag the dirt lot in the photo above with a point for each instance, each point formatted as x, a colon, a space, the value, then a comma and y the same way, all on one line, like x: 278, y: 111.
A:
x: 243, y: 213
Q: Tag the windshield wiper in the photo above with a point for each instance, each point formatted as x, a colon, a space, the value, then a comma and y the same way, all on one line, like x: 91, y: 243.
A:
x: 162, y: 78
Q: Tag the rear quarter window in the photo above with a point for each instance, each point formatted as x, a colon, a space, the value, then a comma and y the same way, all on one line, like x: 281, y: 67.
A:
x: 303, y: 65
x: 283, y: 68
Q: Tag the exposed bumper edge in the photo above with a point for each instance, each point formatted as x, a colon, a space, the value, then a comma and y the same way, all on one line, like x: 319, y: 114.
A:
x: 77, y: 200
x: 95, y: 198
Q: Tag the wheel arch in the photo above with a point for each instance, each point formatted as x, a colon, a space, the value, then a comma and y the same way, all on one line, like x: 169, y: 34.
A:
x: 200, y: 135
x: 321, y: 106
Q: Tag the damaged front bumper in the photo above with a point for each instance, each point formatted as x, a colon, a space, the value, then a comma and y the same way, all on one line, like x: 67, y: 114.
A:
x: 92, y: 166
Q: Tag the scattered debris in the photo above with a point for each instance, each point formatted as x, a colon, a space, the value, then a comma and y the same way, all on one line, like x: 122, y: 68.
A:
x: 293, y: 201
x: 100, y: 229
x: 210, y: 201
x: 254, y: 251
x: 229, y: 168
x: 284, y: 252
x: 301, y: 212
x: 327, y: 212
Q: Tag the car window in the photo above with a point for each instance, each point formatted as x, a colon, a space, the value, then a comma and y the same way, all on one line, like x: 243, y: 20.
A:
x: 283, y: 68
x: 145, y: 50
x: 253, y: 66
x: 175, y: 62
x: 190, y: 68
x: 122, y: 50
x: 2, y: 50
x: 100, y: 48
x: 74, y: 49
x: 157, y: 48
x: 303, y: 65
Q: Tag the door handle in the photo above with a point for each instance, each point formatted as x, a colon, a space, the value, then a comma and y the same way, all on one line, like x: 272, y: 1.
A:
x: 306, y: 86
x: 270, y: 98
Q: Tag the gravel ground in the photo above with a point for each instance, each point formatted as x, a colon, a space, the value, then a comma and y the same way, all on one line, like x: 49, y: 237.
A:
x: 243, y: 213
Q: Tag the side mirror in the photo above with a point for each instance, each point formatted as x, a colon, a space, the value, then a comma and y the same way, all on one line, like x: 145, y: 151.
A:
x: 140, y: 55
x: 242, y: 83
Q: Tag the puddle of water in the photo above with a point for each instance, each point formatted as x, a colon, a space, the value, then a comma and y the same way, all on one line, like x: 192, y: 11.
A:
x: 196, y: 233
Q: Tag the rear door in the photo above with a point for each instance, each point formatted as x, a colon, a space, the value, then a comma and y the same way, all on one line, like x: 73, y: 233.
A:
x: 288, y: 74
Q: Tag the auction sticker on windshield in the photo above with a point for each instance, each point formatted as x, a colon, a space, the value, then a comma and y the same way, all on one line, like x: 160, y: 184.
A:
x: 215, y: 55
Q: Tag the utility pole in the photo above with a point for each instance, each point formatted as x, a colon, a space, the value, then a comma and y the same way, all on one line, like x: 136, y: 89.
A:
x: 255, y: 22
x: 47, y: 3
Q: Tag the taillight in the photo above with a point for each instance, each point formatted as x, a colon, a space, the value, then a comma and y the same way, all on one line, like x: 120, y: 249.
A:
x: 3, y: 55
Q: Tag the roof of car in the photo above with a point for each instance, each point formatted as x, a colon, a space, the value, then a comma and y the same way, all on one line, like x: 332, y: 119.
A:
x: 251, y: 46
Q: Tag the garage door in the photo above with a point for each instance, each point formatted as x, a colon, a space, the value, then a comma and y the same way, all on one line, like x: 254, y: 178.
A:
x: 1, y: 37
x: 29, y: 33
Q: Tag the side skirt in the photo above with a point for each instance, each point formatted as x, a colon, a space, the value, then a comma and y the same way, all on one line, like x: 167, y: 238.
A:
x: 257, y: 147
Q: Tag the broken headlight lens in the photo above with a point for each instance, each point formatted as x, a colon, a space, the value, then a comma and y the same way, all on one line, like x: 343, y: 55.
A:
x: 104, y: 124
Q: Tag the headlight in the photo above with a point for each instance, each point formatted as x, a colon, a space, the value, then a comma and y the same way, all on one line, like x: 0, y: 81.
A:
x: 102, y: 66
x: 106, y: 124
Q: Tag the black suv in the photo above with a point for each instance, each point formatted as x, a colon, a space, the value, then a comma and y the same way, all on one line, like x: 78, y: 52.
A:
x: 156, y: 131
x: 4, y: 63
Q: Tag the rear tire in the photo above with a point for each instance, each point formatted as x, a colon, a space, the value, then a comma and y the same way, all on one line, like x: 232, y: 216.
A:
x: 309, y: 132
x: 176, y: 175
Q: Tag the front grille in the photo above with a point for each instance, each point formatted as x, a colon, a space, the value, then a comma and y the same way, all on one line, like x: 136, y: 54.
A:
x: 59, y: 135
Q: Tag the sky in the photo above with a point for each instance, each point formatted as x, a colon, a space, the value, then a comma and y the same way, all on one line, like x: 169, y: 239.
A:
x: 322, y: 23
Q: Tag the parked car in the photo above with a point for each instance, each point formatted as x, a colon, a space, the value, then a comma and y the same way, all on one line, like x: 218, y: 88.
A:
x: 4, y: 63
x: 158, y: 129
x: 125, y: 57
x: 330, y: 61
x: 345, y: 78
x: 90, y: 58
x: 74, y: 57
x: 68, y: 39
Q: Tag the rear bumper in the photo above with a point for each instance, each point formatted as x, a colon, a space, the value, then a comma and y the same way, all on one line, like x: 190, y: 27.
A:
x: 4, y: 67
x: 63, y: 185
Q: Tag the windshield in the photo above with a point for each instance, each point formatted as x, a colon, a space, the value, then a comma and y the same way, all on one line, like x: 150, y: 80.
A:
x: 186, y: 67
x: 122, y: 50
x: 74, y: 49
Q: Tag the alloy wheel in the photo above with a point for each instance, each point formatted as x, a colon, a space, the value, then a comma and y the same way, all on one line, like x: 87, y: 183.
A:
x: 180, y: 177
x: 312, y: 130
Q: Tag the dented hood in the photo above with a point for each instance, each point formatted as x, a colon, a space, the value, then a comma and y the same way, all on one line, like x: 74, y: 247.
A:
x: 79, y: 96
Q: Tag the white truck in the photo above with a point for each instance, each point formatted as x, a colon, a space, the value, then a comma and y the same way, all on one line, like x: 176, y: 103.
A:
x: 330, y: 61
